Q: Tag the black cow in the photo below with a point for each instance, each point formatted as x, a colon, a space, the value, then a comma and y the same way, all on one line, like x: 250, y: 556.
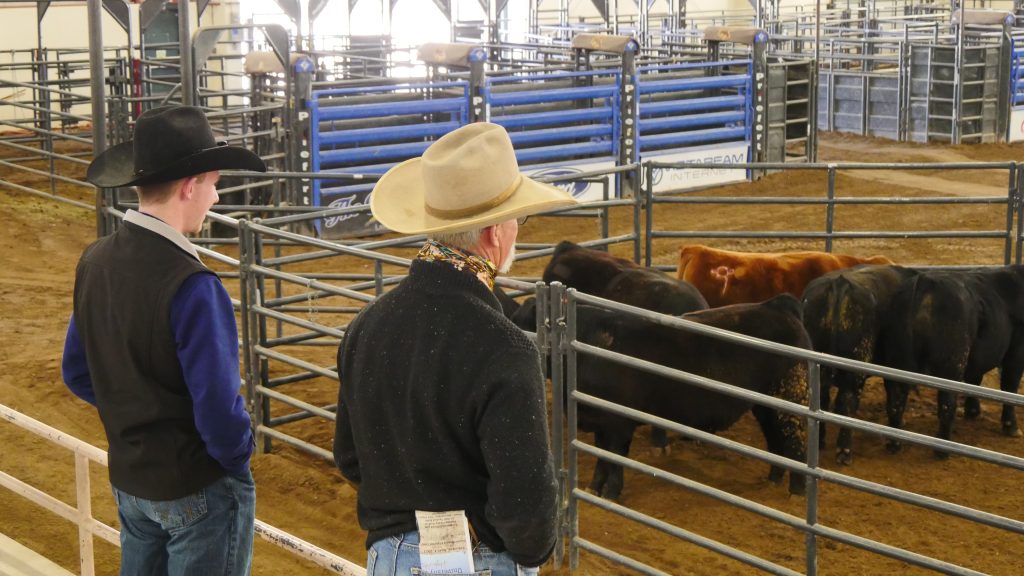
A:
x: 645, y: 288
x: 509, y: 306
x: 957, y: 324
x: 845, y: 312
x: 585, y: 269
x: 600, y: 274
x: 777, y: 319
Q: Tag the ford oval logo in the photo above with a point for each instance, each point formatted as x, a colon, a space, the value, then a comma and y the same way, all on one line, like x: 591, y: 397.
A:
x: 656, y: 175
x: 345, y: 202
x: 576, y: 189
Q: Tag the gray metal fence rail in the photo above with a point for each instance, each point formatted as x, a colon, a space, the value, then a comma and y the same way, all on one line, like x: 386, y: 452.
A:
x: 830, y: 200
x: 564, y: 342
x: 275, y: 295
x: 266, y: 307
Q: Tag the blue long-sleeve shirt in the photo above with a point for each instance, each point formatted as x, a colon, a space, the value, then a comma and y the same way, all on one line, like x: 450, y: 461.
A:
x: 203, y: 326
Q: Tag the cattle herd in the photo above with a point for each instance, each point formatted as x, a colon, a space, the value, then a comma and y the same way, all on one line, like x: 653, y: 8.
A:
x: 955, y: 324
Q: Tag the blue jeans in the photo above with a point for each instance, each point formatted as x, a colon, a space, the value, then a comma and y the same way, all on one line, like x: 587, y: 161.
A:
x: 400, y: 556
x: 209, y: 532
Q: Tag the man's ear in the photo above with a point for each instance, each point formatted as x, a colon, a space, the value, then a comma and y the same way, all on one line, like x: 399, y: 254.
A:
x: 187, y: 188
x: 489, y: 237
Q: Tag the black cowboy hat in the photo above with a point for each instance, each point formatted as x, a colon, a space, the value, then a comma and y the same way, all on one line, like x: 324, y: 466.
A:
x: 171, y: 142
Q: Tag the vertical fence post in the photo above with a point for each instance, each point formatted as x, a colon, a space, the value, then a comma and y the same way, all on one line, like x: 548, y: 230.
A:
x: 84, y: 501
x: 188, y: 86
x: 649, y: 207
x: 260, y: 363
x: 814, y: 381
x: 547, y: 313
x: 1011, y: 203
x: 245, y: 286
x: 605, y: 211
x: 97, y: 85
x: 1019, y: 202
x: 637, y: 207
x: 378, y: 277
x: 566, y: 322
x: 830, y: 207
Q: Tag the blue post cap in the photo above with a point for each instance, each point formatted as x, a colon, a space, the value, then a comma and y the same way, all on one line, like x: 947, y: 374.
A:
x: 303, y: 64
x: 477, y: 54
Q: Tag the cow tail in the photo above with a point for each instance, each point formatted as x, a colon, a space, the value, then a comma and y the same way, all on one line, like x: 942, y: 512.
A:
x: 906, y: 315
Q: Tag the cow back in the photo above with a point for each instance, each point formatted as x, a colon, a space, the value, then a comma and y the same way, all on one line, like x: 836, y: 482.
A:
x: 584, y: 269
x: 653, y: 290
x: 932, y: 322
x: 725, y: 277
x: 777, y: 320
x: 844, y: 310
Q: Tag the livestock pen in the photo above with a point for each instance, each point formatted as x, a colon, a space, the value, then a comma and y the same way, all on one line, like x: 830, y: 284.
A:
x: 706, y: 508
x: 310, y: 310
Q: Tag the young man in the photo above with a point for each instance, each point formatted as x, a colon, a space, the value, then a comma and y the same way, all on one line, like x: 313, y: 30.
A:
x: 152, y: 343
x: 441, y: 406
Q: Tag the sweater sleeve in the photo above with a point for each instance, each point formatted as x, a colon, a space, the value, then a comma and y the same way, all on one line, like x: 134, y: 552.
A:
x: 513, y: 432
x: 74, y: 368
x: 203, y: 324
x: 345, y: 457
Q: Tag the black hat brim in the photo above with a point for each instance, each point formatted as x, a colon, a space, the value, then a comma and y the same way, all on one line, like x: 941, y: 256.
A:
x: 115, y: 166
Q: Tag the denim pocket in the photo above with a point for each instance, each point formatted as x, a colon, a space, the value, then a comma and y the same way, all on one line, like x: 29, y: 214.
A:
x: 174, y: 514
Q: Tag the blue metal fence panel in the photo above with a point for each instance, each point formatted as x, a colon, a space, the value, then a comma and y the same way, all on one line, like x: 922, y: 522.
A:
x: 1016, y: 73
x: 350, y: 133
x: 711, y: 103
x: 566, y: 118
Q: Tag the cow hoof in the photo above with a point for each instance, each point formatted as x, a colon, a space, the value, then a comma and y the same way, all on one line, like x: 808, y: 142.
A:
x: 844, y: 457
x: 971, y: 414
x: 893, y: 447
x: 940, y: 455
x: 775, y: 475
x: 660, y: 451
x: 612, y: 495
x: 798, y: 488
x: 821, y: 442
x: 1012, y: 430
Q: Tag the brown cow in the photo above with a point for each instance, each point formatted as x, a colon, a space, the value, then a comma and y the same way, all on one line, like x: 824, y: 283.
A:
x: 725, y: 277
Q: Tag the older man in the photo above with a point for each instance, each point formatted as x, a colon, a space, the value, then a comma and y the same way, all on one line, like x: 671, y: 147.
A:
x: 441, y: 405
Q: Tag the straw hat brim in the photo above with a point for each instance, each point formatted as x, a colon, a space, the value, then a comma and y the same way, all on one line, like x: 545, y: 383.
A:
x: 398, y: 203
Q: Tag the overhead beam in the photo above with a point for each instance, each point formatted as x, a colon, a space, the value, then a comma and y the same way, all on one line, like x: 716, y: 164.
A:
x: 315, y: 8
x: 148, y: 12
x: 118, y: 10
x: 290, y: 9
x: 445, y: 6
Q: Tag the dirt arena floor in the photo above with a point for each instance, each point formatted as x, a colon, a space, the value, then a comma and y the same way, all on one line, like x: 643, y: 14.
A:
x: 40, y: 241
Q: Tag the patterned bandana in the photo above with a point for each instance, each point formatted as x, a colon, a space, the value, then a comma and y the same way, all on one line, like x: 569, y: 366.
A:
x: 480, y: 267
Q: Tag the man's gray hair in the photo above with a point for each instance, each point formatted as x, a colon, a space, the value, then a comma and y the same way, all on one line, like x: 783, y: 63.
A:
x: 461, y: 240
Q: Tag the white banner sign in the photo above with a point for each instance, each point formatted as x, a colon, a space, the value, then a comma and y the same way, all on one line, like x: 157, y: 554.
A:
x: 1016, y: 125
x: 582, y: 191
x: 676, y: 180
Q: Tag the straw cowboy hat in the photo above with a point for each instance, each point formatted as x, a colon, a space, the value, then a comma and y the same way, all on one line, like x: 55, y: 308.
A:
x: 170, y: 142
x: 466, y: 180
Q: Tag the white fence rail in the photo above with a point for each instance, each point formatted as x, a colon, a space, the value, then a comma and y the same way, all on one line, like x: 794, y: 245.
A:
x: 81, y: 514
